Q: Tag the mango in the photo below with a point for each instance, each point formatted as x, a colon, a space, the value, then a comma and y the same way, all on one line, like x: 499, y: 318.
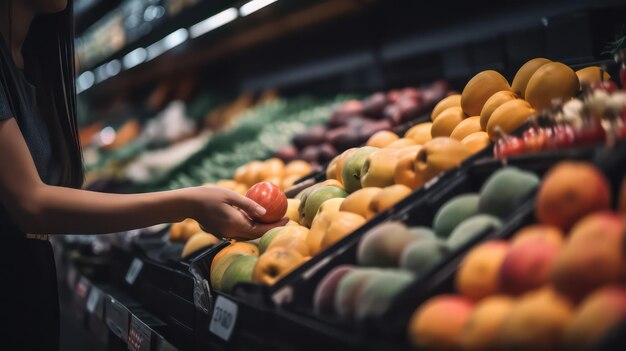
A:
x: 438, y: 156
x: 439, y: 323
x: 239, y: 270
x: 508, y: 117
x: 400, y: 143
x: 527, y: 266
x: 502, y: 193
x: 520, y: 81
x: 562, y: 198
x: 445, y: 103
x: 334, y: 227
x: 481, y: 330
x: 592, y: 257
x: 298, y: 168
x: 476, y: 142
x: 235, y: 248
x: 470, y: 228
x: 479, y: 89
x: 374, y: 297
x: 478, y: 275
x: 198, y: 242
x: 331, y: 169
x: 382, y: 245
x: 359, y: 202
x: 446, y: 122
x: 421, y: 255
x: 453, y: 212
x: 293, y: 238
x: 217, y: 272
x: 495, y: 101
x: 351, y: 172
x: 596, y: 316
x: 276, y: 263
x: 292, y: 210
x: 388, y: 197
x: 324, y: 296
x: 316, y: 199
x: 536, y: 322
x: 553, y: 80
x: 466, y: 127
x: 348, y: 289
x: 378, y: 170
x: 591, y: 75
x: 267, y: 238
x: 420, y: 133
x: 382, y: 138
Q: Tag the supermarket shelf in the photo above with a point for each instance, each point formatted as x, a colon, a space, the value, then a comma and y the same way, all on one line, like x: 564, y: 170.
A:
x: 341, y: 51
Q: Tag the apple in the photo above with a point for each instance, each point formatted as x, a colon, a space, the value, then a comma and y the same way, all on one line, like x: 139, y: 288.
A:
x: 374, y: 104
x: 351, y: 172
x: 271, y: 198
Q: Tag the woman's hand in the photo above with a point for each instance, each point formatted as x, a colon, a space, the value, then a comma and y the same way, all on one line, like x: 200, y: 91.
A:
x: 227, y: 213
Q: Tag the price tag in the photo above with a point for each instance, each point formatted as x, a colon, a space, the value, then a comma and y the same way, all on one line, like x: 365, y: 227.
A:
x: 224, y: 318
x: 138, y: 335
x: 92, y: 300
x: 133, y: 271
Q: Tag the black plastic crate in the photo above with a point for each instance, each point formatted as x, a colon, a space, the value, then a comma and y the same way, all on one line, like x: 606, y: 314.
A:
x: 391, y: 325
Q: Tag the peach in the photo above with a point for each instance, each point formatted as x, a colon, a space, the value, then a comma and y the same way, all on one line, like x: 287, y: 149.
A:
x: 536, y: 322
x: 235, y: 248
x: 569, y: 191
x: 527, y: 266
x: 478, y: 274
x: 596, y: 316
x: 401, y: 143
x: 439, y: 322
x: 420, y: 133
x: 481, y: 330
x: 592, y: 257
x: 544, y: 232
x: 293, y: 238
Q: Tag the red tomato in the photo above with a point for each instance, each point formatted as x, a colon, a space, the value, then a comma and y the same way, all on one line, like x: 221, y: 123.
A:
x: 271, y: 198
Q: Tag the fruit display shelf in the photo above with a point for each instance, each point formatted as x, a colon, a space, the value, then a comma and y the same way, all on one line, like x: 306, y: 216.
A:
x: 296, y: 312
x: 115, y: 318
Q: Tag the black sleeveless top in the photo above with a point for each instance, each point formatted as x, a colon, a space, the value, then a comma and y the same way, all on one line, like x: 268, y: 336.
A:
x: 18, y: 100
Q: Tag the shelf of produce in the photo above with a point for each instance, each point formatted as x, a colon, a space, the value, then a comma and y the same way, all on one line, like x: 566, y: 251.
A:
x: 108, y: 312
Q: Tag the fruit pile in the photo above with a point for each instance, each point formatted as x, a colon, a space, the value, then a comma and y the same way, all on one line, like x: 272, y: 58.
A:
x: 393, y: 253
x: 557, y: 284
x: 354, y: 121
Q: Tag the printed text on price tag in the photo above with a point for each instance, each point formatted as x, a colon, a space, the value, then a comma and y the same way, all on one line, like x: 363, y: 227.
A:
x: 224, y: 318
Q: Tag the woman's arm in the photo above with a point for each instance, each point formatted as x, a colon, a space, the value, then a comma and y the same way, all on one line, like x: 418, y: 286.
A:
x: 40, y: 208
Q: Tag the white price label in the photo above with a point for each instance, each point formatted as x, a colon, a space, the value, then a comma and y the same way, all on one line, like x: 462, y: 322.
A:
x: 133, y: 271
x: 224, y: 318
x: 92, y: 300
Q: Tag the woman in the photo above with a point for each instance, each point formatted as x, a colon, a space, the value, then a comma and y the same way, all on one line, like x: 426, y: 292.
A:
x: 41, y: 171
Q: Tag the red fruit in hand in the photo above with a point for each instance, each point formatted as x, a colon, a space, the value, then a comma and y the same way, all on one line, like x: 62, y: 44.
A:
x: 271, y: 198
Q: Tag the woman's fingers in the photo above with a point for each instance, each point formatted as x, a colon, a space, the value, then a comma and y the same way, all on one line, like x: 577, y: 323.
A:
x: 243, y: 227
x: 247, y: 205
